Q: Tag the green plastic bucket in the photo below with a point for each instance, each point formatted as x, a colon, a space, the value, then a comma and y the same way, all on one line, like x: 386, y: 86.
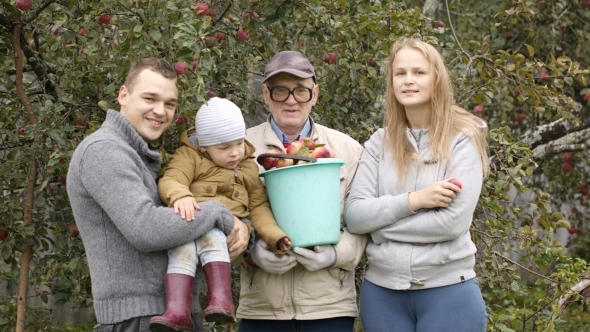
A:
x: 305, y: 201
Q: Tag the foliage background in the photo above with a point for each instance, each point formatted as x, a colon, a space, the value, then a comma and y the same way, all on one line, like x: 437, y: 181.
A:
x: 496, y: 52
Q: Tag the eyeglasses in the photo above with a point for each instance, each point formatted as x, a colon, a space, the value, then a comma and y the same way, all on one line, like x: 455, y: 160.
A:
x: 300, y: 93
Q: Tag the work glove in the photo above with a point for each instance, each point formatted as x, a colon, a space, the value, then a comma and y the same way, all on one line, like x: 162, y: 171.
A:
x: 318, y: 258
x: 269, y: 262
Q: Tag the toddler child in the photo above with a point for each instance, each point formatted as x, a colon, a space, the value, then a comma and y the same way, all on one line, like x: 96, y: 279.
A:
x: 213, y: 162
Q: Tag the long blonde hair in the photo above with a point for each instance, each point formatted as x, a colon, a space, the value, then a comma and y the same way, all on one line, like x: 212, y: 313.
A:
x: 446, y: 119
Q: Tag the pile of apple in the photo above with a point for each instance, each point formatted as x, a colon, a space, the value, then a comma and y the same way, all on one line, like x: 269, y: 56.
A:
x: 303, y: 147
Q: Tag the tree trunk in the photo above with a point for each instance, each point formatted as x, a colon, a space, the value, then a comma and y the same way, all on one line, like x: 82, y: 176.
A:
x: 30, y: 191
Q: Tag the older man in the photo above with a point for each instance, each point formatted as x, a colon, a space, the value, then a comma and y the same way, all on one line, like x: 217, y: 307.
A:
x: 304, y: 290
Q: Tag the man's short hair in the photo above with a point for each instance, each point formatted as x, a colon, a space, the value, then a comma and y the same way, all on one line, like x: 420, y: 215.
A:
x: 154, y: 64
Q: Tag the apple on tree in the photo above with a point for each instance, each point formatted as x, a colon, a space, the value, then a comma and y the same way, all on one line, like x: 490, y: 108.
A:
x: 24, y: 4
x: 201, y: 9
x: 181, y: 68
x: 3, y: 234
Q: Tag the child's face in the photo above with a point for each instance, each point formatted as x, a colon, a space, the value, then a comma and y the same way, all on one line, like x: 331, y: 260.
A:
x: 227, y: 155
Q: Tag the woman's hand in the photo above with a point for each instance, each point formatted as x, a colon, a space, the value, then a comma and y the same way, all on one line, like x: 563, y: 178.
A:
x: 437, y: 195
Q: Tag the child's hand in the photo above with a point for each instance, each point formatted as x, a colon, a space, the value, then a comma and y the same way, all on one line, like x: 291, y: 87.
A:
x: 186, y: 207
x: 284, y: 244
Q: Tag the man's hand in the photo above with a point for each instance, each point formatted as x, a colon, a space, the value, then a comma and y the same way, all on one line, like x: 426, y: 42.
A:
x: 269, y: 262
x: 237, y: 240
x: 186, y: 206
x: 318, y: 258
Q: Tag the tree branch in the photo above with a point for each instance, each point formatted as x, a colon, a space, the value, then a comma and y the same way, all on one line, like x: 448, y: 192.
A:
x: 33, y: 15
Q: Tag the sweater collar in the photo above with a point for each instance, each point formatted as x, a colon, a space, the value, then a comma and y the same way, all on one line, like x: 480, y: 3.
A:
x: 120, y: 125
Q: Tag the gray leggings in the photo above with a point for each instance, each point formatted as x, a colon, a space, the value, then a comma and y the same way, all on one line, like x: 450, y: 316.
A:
x: 459, y: 307
x: 142, y: 324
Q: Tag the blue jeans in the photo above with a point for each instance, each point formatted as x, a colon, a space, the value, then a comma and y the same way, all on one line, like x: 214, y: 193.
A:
x: 459, y: 307
x: 211, y: 247
x: 338, y: 324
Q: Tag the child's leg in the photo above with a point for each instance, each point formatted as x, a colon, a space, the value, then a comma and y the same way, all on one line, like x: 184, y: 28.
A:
x: 212, y: 250
x: 212, y: 247
x: 178, y: 282
x: 183, y: 259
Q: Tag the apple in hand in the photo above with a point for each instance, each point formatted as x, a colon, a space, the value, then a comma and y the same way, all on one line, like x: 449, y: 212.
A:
x: 456, y: 182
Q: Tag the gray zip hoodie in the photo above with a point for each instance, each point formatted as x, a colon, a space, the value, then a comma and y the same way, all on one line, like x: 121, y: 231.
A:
x: 425, y: 249
x: 124, y: 226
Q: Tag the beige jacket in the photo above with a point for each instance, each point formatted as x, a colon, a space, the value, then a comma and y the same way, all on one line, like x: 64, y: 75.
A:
x: 191, y: 172
x: 301, y: 294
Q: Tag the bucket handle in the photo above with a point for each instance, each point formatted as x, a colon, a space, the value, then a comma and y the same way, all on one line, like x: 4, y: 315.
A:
x: 261, y: 157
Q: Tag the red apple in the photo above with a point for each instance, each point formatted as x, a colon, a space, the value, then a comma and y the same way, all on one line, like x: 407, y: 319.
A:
x: 478, y: 109
x: 508, y: 35
x: 439, y: 24
x: 582, y: 231
x: 24, y: 4
x: 74, y: 232
x: 330, y: 58
x: 587, y: 96
x: 63, y: 179
x: 56, y: 32
x: 20, y: 131
x: 3, y: 234
x: 181, y: 120
x: 242, y: 35
x: 333, y: 153
x: 321, y: 152
x: 456, y: 182
x: 269, y: 163
x: 220, y: 36
x: 211, y: 41
x: 545, y: 77
x: 211, y: 13
x: 195, y: 64
x: 210, y: 94
x: 567, y: 157
x: 372, y: 62
x: 82, y: 31
x: 104, y: 19
x: 307, y: 141
x: 567, y: 167
x: 295, y: 147
x: 517, y: 92
x: 284, y: 162
x: 181, y: 68
x: 201, y: 9
x: 572, y: 230
x: 519, y: 117
x: 80, y: 122
x: 586, y: 3
x: 584, y: 190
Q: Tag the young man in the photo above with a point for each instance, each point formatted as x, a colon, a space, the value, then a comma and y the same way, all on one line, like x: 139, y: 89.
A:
x: 125, y: 228
x: 304, y: 290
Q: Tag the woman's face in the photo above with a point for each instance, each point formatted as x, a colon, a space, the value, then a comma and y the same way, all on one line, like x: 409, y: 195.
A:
x: 412, y: 79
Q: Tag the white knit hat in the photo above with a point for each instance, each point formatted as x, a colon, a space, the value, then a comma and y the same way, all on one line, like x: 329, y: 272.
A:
x: 219, y: 121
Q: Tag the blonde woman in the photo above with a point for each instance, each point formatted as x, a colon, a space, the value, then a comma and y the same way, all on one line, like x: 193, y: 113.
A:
x: 421, y: 257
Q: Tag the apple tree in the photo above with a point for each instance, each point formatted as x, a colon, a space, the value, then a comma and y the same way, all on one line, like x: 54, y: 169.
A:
x: 62, y: 62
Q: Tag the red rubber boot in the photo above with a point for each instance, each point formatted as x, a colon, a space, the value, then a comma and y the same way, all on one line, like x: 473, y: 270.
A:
x: 179, y: 294
x: 221, y: 305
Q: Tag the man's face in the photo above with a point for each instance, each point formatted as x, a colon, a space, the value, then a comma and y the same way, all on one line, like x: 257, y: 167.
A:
x: 227, y: 155
x: 151, y: 105
x: 290, y: 115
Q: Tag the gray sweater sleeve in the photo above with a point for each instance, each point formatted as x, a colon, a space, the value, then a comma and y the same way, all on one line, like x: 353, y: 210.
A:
x: 366, y: 209
x: 392, y: 219
x: 115, y: 183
